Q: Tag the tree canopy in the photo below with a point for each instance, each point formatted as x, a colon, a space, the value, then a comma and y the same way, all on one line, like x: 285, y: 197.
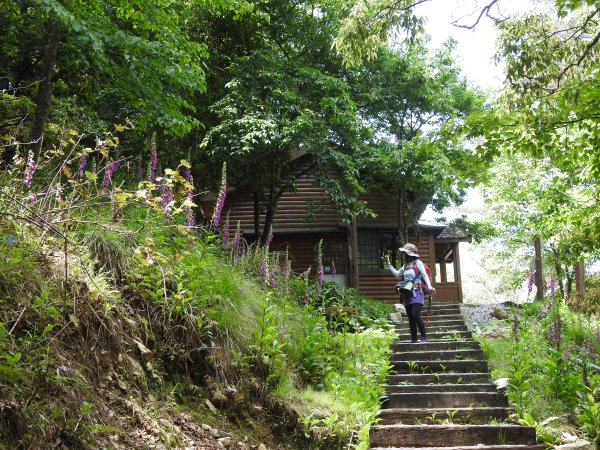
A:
x: 414, y: 101
x: 123, y: 58
x: 249, y: 83
x: 547, y: 109
x: 288, y: 93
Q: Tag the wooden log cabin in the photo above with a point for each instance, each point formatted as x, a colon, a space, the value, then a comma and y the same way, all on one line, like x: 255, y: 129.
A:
x: 307, y: 216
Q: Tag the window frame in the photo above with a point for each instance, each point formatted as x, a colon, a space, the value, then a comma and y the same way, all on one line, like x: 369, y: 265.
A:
x: 372, y: 245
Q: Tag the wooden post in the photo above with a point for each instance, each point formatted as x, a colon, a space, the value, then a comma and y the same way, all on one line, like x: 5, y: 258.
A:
x: 539, y: 274
x: 580, y: 277
x: 353, y: 255
x: 457, y: 276
x: 443, y: 275
x: 432, y: 259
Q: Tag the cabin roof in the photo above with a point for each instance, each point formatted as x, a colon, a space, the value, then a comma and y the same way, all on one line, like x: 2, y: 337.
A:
x: 454, y: 234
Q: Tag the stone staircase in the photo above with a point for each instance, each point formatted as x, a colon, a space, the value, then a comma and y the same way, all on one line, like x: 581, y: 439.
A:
x: 439, y: 396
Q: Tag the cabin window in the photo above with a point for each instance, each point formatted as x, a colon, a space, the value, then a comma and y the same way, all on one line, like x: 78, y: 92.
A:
x: 373, y: 245
x: 334, y: 255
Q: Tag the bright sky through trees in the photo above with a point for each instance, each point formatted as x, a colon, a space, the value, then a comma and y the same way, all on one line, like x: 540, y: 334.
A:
x: 476, y: 47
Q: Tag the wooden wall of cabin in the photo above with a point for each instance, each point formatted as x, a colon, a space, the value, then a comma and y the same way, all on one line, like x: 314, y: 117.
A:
x: 306, y: 208
x: 305, y: 216
x: 302, y: 250
x: 380, y: 285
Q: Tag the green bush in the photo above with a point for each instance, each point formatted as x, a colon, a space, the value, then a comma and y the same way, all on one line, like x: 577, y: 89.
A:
x: 187, y: 293
x: 550, y: 361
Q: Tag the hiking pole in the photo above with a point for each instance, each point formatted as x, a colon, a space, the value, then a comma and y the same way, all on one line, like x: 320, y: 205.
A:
x: 428, y: 313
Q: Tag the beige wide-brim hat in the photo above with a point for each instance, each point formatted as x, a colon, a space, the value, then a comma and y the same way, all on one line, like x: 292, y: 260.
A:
x: 410, y: 249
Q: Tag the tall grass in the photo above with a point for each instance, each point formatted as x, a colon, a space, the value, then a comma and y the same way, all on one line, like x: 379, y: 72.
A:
x: 552, y: 362
x: 111, y: 260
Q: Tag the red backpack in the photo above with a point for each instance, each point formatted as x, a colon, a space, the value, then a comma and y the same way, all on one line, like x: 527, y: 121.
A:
x: 427, y: 271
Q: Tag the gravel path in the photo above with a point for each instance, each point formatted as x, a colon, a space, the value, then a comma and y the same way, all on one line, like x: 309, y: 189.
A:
x: 480, y: 317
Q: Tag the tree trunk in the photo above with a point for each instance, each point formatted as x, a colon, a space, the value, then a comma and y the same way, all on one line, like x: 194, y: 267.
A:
x: 44, y: 95
x: 402, y: 205
x: 271, y: 206
x: 579, y: 270
x: 559, y: 275
x: 539, y: 270
x: 569, y: 282
x: 256, y: 204
x: 269, y: 214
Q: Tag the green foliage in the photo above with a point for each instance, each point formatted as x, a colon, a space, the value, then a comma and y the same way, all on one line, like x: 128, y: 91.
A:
x: 367, y: 25
x: 479, y: 231
x: 128, y: 255
x: 589, y: 303
x: 273, y: 106
x: 347, y: 309
x: 530, y: 198
x: 37, y: 308
x: 197, y: 295
x: 355, y: 370
x: 589, y: 415
x: 545, y: 113
x: 416, y: 153
x: 541, y: 434
x: 139, y: 53
x: 550, y: 370
x: 268, y: 348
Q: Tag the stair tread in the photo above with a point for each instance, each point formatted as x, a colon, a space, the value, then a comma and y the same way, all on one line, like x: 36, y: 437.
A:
x: 472, y: 447
x: 390, y: 411
x: 431, y: 382
x: 446, y: 387
x: 453, y: 393
x: 438, y: 377
x: 425, y: 351
x: 454, y: 426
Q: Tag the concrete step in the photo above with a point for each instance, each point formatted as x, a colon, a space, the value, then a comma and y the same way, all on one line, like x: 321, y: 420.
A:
x: 431, y: 415
x: 474, y: 387
x: 439, y: 378
x: 438, y: 345
x: 444, y: 400
x: 439, y: 336
x: 471, y: 447
x: 433, y: 327
x: 423, y: 353
x: 440, y: 312
x: 441, y: 306
x: 439, y: 321
x: 467, y: 365
x: 443, y: 317
x: 390, y: 436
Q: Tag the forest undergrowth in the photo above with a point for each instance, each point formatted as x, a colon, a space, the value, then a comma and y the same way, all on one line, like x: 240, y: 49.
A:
x: 550, y: 360
x: 124, y: 324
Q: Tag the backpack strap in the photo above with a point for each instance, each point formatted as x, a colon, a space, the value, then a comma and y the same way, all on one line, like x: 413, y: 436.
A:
x: 417, y: 278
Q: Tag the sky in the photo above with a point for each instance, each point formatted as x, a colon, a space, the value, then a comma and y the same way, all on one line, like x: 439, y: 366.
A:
x: 475, y: 47
x: 475, y: 50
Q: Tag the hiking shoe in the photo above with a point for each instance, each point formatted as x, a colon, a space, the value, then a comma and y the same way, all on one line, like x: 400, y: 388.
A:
x: 424, y: 340
x: 414, y: 341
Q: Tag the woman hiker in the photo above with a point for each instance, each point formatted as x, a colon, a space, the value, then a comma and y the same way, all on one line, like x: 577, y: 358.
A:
x: 414, y: 301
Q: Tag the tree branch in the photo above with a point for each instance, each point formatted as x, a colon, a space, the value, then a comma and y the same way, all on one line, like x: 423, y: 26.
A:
x: 586, y: 52
x: 394, y: 7
x: 485, y: 10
